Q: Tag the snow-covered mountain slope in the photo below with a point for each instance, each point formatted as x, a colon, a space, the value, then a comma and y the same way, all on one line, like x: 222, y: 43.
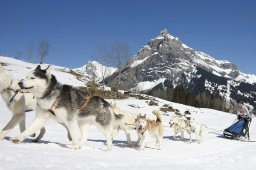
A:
x: 20, y: 69
x: 166, y: 60
x: 51, y: 153
x: 94, y: 71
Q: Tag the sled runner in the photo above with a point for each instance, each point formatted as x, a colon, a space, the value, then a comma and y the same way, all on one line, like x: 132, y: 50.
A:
x: 238, y: 130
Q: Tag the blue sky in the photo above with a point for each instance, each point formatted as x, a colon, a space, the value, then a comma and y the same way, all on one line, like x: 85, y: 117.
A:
x: 225, y: 29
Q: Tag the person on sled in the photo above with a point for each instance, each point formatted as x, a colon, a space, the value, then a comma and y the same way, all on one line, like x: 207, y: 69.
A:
x: 243, y: 113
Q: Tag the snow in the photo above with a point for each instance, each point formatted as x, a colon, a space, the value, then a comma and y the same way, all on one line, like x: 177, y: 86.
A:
x: 52, y: 152
x: 20, y: 69
x: 94, y: 70
x: 146, y: 85
x: 138, y: 62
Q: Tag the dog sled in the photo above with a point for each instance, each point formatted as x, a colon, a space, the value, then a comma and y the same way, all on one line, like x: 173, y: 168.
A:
x: 238, y: 130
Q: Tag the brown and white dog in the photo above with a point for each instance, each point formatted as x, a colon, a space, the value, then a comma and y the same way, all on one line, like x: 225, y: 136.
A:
x: 146, y: 128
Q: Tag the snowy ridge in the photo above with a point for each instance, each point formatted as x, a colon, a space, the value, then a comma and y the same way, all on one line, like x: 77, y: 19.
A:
x: 20, y: 69
x: 94, y: 70
x: 218, y: 67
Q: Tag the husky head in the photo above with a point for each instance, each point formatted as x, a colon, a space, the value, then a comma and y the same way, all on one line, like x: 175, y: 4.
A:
x: 37, y: 81
x: 141, y: 122
x: 5, y: 79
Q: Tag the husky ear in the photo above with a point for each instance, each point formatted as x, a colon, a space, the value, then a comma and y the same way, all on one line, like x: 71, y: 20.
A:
x: 144, y: 116
x: 48, y: 70
x: 38, y: 67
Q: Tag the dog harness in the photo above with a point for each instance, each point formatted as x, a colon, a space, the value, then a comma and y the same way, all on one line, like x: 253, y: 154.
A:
x: 56, y: 103
x: 15, y: 94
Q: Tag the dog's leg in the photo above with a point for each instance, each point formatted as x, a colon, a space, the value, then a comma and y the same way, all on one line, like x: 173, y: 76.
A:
x: 115, y: 132
x: 83, y: 128
x: 109, y: 141
x: 39, y: 137
x: 158, y: 142
x: 16, y: 118
x: 138, y: 142
x: 39, y: 122
x: 73, y: 129
x: 143, y: 142
x: 128, y: 136
x: 175, y: 134
x: 22, y: 124
x: 190, y: 138
x: 182, y: 135
x: 68, y: 134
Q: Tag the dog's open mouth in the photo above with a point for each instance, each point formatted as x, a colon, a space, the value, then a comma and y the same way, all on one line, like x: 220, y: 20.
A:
x: 140, y: 128
x: 27, y: 88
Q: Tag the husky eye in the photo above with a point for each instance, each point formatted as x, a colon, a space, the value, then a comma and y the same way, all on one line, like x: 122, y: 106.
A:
x: 32, y: 78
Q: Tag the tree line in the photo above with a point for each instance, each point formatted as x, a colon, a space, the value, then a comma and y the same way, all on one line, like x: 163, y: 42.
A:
x: 202, y: 100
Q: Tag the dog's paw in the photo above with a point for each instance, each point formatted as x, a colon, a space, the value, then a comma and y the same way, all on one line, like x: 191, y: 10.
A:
x: 75, y: 147
x: 35, y: 141
x: 141, y: 148
x: 16, y: 140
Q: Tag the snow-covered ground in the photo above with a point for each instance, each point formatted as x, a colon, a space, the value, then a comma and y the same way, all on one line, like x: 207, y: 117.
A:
x: 52, y: 152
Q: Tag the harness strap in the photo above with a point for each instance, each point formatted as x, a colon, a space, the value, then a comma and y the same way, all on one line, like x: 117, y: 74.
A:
x: 85, y: 102
x: 54, y: 105
x: 12, y: 98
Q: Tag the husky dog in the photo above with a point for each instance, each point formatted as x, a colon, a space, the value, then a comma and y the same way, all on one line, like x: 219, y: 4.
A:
x: 146, y: 128
x: 198, y: 129
x: 17, y: 102
x: 73, y: 108
x: 127, y: 122
x: 186, y: 123
x: 179, y: 124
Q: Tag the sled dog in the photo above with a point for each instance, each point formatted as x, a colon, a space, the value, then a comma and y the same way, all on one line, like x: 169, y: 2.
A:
x: 198, y: 129
x: 181, y: 124
x: 73, y: 108
x: 17, y: 102
x: 146, y: 128
x: 126, y: 124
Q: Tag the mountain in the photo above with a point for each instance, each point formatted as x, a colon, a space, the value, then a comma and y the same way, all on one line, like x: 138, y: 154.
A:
x: 166, y: 63
x: 93, y: 71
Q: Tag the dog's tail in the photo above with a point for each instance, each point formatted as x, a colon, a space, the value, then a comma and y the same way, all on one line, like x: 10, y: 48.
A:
x: 158, y: 116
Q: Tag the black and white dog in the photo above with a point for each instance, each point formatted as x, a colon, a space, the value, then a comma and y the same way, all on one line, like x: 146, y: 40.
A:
x: 73, y: 108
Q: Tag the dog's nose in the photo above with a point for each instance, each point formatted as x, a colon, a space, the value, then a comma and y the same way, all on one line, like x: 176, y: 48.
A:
x: 20, y: 84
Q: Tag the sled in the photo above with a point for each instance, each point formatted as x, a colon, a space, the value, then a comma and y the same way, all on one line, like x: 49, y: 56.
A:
x: 239, y: 129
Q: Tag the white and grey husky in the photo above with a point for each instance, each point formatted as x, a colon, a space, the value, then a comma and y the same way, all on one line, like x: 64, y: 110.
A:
x: 73, y: 108
x: 185, y: 123
x: 17, y: 102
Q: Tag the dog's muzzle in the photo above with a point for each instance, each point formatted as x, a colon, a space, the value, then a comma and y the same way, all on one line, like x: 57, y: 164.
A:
x: 22, y: 86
